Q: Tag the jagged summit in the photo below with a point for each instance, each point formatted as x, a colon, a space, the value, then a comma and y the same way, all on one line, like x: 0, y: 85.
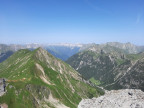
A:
x: 39, y: 48
x: 42, y: 52
x: 54, y: 63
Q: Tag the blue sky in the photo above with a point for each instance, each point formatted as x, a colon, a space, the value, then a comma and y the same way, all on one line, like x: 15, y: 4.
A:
x: 71, y: 21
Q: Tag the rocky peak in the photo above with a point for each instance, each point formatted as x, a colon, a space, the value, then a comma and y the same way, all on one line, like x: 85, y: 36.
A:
x: 42, y: 55
x: 54, y: 63
x: 41, y: 50
x: 128, y: 98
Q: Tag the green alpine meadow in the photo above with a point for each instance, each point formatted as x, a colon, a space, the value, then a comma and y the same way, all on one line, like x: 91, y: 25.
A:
x: 36, y: 79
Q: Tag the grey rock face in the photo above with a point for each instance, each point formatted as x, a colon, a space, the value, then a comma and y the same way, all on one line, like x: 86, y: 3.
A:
x: 128, y: 98
x: 2, y: 87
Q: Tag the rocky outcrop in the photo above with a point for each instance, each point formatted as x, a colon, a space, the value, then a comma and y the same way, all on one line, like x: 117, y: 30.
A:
x: 3, y: 105
x: 128, y: 98
x: 2, y: 86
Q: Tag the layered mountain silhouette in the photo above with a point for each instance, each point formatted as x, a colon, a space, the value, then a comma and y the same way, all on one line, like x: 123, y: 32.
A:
x: 64, y: 51
x: 61, y: 51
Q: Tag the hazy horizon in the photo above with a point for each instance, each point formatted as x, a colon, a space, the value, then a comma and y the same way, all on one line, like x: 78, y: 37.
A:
x: 71, y: 21
x: 66, y: 43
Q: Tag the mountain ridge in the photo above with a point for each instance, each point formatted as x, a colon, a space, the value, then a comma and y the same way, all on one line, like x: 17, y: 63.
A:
x: 64, y: 51
x: 45, y: 81
x: 106, y: 65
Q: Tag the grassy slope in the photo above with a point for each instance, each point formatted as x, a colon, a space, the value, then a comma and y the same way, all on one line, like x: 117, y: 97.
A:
x: 20, y: 76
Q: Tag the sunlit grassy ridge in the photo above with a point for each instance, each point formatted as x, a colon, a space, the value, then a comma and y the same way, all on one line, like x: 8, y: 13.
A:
x: 27, y: 89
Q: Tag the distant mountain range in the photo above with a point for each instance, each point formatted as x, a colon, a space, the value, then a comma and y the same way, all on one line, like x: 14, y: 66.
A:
x: 61, y: 51
x: 64, y: 51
